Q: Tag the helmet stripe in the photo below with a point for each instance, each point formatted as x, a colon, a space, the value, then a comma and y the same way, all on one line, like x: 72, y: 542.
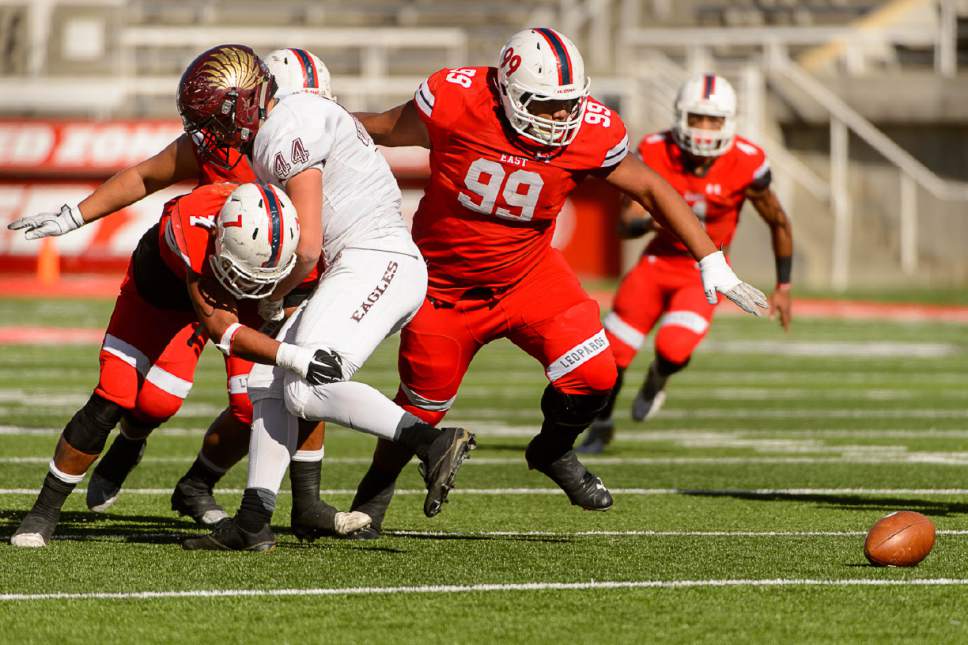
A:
x: 561, y: 54
x: 710, y: 85
x: 275, y: 224
x: 309, y: 67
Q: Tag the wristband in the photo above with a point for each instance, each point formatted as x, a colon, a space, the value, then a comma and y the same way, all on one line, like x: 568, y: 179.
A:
x: 225, y: 343
x: 784, y: 267
x: 294, y: 358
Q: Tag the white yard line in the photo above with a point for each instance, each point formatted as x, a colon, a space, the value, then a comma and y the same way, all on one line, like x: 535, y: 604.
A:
x: 499, y: 587
x: 756, y: 492
x: 878, y: 456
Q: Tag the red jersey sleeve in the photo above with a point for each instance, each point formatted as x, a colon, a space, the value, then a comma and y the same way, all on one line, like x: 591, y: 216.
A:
x: 186, y: 227
x: 603, y: 141
x: 755, y: 167
x: 440, y: 100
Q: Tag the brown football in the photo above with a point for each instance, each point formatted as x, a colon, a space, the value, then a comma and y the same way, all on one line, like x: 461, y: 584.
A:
x: 901, y: 539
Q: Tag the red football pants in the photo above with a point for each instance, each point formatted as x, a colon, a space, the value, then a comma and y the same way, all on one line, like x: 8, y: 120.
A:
x: 547, y: 314
x: 148, y: 359
x: 663, y: 290
x: 148, y: 356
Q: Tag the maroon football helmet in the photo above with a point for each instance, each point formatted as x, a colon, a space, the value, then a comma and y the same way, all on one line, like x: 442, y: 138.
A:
x: 222, y: 99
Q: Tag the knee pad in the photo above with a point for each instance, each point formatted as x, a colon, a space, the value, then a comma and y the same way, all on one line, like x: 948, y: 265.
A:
x: 667, y: 367
x: 88, y: 429
x: 296, y: 394
x: 134, y: 426
x: 571, y: 410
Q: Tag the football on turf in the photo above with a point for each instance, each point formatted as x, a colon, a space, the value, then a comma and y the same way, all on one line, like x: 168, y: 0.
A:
x: 901, y: 539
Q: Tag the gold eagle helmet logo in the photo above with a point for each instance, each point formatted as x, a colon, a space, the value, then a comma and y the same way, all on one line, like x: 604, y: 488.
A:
x: 232, y: 67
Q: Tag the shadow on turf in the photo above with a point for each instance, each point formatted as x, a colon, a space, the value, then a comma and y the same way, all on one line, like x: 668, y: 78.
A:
x: 847, y: 502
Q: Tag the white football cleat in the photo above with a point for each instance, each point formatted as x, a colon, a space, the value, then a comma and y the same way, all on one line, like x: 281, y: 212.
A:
x: 346, y: 523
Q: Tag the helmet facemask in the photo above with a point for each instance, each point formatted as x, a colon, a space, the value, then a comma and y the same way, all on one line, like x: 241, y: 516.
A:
x: 521, y: 105
x: 244, y: 282
x: 703, y: 142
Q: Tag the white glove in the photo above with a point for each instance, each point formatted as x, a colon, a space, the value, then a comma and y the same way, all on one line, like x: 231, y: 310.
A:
x: 294, y: 358
x: 48, y: 224
x: 717, y: 276
x: 271, y: 310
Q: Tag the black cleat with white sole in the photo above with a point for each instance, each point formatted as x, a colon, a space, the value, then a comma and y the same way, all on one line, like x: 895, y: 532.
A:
x: 229, y: 536
x: 444, y: 458
x: 322, y: 520
x: 35, y: 531
x: 582, y: 487
x: 195, y: 500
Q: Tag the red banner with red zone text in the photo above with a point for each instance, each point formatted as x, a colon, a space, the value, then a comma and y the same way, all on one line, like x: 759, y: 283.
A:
x: 44, y: 164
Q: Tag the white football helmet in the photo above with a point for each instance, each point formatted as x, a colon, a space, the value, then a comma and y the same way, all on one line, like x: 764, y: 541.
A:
x: 256, y: 234
x: 711, y: 95
x: 537, y: 65
x: 299, y: 70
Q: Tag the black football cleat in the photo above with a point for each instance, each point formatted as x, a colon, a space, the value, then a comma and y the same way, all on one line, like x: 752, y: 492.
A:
x: 112, y: 470
x: 582, y: 487
x: 229, y: 536
x: 35, y: 531
x: 444, y: 458
x: 599, y: 435
x: 651, y: 396
x: 320, y: 519
x: 193, y: 499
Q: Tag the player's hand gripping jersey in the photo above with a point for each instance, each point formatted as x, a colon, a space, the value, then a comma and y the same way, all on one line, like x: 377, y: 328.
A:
x: 716, y: 197
x: 361, y: 199
x: 489, y: 211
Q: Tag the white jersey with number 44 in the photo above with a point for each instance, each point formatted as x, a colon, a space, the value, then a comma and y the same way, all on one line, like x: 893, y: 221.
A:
x: 361, y: 199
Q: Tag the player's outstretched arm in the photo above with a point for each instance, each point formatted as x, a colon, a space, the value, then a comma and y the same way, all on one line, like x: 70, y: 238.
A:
x: 399, y: 126
x: 176, y: 162
x: 768, y: 206
x: 636, y: 180
x: 306, y: 192
x: 217, y: 310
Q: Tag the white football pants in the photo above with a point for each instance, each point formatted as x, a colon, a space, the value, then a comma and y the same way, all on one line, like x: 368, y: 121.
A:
x: 363, y: 297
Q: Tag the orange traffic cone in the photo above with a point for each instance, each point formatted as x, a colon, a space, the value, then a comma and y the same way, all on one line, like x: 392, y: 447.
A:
x: 48, y: 262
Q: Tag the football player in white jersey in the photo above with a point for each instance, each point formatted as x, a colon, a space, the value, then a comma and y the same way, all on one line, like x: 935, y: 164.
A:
x: 375, y: 280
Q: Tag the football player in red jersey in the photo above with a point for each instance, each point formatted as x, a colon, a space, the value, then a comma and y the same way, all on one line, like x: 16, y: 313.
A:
x: 190, y: 279
x: 507, y: 146
x: 210, y: 151
x: 716, y: 171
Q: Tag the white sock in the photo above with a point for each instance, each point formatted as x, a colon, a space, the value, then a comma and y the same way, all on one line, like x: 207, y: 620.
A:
x: 275, y: 433
x: 351, y: 404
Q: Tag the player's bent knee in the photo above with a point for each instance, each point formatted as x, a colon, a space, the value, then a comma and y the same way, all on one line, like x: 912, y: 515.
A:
x: 675, y: 347
x: 596, y: 375
x: 154, y: 403
x: 136, y: 426
x: 667, y: 366
x: 297, y: 394
x: 427, y: 410
x: 564, y: 409
x: 88, y: 429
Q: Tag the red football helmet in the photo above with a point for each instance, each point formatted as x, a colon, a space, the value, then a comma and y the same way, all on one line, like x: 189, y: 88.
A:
x: 222, y: 99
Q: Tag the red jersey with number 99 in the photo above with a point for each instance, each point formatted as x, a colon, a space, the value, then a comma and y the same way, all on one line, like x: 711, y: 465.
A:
x: 716, y: 196
x: 489, y: 210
